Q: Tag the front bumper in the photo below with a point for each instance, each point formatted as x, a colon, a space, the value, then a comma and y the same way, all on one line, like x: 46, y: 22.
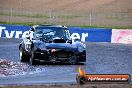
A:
x: 59, y: 55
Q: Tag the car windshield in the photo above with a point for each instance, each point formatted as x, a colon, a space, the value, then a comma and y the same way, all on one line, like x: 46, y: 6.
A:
x: 51, y: 32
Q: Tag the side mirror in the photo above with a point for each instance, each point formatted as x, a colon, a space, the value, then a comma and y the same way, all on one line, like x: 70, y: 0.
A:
x: 28, y: 37
x: 69, y: 41
x: 77, y: 39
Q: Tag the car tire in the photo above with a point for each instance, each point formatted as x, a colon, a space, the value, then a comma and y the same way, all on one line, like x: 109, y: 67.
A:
x: 73, y: 60
x: 80, y: 61
x: 33, y: 56
x: 24, y: 57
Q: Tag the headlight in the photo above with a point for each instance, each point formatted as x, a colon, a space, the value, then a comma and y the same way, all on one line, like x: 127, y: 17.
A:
x: 80, y: 49
x: 84, y: 46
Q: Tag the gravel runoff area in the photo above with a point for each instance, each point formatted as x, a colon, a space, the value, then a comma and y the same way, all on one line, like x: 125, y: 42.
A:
x: 74, y: 86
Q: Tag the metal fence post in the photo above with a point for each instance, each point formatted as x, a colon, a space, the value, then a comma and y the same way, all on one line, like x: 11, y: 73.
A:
x: 50, y: 16
x: 90, y: 19
x: 11, y: 14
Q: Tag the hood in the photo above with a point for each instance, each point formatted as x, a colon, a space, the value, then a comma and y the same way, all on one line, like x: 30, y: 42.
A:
x: 50, y: 39
x: 62, y: 46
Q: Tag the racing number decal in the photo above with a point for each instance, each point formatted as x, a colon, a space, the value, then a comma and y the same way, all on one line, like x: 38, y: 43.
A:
x: 28, y: 46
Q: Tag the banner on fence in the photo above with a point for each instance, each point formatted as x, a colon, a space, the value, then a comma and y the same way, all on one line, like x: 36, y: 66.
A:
x: 92, y: 34
x: 84, y: 34
x: 13, y: 31
x: 121, y: 36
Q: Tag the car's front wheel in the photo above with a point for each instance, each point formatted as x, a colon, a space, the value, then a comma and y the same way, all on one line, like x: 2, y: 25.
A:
x: 33, y: 57
x: 24, y: 57
x: 73, y: 60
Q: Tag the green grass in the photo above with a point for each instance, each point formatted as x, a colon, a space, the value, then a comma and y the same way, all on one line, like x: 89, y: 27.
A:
x: 69, y: 16
x: 112, y: 27
x: 84, y: 26
x: 41, y: 15
x: 120, y: 19
x: 19, y: 23
x: 63, y: 17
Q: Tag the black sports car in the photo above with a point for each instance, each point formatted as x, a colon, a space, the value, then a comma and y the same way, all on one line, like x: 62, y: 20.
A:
x: 51, y: 43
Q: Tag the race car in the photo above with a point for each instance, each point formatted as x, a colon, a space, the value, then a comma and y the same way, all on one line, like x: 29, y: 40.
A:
x: 51, y: 43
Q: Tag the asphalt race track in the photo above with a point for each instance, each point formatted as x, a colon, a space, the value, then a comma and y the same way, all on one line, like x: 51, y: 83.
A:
x: 102, y: 58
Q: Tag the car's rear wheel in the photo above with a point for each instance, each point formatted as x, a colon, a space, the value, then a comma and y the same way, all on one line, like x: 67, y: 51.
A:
x: 24, y: 57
